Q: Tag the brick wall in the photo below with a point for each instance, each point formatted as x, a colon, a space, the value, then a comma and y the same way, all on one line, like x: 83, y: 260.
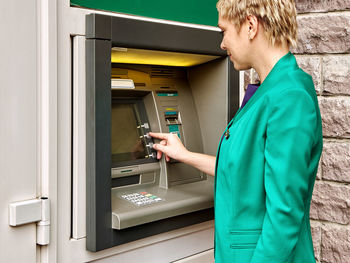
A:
x: 324, y: 52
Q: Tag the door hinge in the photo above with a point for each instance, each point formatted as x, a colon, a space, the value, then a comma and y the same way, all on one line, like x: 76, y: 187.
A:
x: 32, y: 211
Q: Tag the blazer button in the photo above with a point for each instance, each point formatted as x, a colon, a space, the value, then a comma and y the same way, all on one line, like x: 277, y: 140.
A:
x: 227, y: 134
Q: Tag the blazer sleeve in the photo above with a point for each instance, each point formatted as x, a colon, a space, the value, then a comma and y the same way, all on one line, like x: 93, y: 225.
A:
x: 290, y: 135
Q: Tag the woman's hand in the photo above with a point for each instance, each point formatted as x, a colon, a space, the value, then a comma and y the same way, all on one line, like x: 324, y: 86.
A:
x: 170, y: 145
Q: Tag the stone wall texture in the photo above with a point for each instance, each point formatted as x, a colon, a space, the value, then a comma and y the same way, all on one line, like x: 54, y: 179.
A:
x: 323, y: 51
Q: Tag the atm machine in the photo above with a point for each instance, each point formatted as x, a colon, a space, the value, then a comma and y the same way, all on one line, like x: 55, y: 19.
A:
x: 142, y: 77
x: 143, y: 189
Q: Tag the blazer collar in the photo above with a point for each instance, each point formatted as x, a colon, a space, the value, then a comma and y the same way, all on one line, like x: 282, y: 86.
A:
x: 286, y: 64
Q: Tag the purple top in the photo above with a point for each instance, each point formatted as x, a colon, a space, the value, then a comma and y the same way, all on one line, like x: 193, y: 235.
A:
x: 249, y: 93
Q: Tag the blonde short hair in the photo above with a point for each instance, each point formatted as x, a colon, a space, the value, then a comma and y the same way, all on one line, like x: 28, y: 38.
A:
x: 278, y: 17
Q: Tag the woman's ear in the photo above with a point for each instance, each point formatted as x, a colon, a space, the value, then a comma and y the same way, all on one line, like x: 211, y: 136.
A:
x: 252, y: 23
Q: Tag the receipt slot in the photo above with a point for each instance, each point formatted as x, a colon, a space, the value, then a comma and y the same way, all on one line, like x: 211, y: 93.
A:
x: 141, y: 77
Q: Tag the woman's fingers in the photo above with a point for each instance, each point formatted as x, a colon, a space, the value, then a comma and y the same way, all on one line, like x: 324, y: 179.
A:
x: 159, y: 155
x: 159, y: 149
x: 170, y: 145
x: 162, y: 136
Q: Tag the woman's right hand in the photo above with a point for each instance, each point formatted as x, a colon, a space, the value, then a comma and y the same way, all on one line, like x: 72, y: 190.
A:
x: 170, y: 145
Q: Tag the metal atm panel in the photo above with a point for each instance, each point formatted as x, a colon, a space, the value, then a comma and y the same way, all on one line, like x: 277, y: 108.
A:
x: 172, y: 188
x: 112, y: 220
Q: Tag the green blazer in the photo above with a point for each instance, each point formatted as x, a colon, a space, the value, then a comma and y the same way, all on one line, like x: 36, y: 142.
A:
x: 265, y: 172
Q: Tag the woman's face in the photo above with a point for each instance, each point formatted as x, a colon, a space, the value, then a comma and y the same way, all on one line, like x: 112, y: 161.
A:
x: 235, y: 43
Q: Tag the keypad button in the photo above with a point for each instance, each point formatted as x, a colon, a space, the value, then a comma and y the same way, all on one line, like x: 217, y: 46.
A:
x: 141, y: 198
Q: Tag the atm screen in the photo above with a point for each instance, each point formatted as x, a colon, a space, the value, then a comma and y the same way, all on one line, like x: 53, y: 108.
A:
x: 126, y: 135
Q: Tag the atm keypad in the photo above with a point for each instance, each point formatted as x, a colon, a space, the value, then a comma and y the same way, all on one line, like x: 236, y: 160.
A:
x: 142, y: 198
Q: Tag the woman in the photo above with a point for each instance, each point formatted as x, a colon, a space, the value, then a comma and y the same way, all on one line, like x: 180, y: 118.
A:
x: 267, y: 159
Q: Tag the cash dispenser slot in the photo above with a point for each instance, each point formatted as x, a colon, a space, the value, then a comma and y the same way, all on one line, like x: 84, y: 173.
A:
x: 172, y: 118
x: 127, y: 180
x: 173, y: 122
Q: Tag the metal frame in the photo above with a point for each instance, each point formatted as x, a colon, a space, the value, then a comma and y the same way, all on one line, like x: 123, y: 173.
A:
x: 103, y: 33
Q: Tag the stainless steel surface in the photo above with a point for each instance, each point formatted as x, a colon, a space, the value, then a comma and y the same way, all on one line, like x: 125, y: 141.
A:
x: 180, y: 199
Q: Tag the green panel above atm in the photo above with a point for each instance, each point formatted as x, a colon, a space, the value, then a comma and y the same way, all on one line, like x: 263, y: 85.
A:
x: 202, y: 12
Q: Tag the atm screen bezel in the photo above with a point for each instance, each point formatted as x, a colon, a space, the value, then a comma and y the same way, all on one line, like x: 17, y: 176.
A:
x: 144, y: 119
